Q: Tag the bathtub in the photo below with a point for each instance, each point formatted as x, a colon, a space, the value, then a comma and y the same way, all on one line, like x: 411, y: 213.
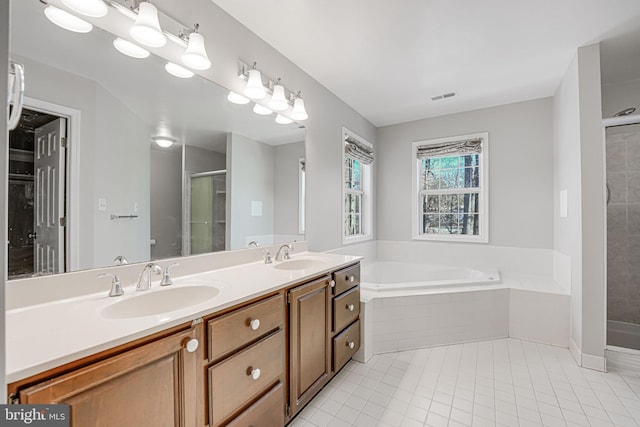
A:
x: 382, y: 278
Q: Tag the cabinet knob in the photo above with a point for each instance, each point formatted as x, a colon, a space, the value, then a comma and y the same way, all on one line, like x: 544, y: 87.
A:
x: 350, y: 278
x: 192, y: 345
x: 350, y: 307
x: 255, y: 324
x: 351, y: 344
x: 332, y: 283
x: 255, y: 373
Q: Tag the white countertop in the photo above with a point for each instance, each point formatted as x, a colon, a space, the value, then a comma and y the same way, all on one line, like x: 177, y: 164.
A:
x: 44, y: 336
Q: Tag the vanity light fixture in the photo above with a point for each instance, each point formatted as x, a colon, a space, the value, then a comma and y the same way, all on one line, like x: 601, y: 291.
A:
x: 64, y: 19
x: 163, y: 141
x: 299, y: 112
x: 178, y: 71
x: 278, y: 100
x: 146, y: 29
x: 283, y: 120
x: 130, y: 49
x: 254, y: 88
x: 93, y: 8
x: 236, y: 98
x: 262, y: 110
x: 195, y: 56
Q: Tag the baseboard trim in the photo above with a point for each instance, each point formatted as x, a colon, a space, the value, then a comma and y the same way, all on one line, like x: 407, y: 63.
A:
x: 575, y: 351
x: 597, y: 363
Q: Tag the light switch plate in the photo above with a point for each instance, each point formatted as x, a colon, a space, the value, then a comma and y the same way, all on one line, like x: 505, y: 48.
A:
x: 102, y: 205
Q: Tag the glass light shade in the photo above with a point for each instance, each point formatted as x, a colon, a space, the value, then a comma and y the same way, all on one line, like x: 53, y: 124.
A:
x: 196, y: 56
x: 93, y: 8
x: 130, y: 49
x: 255, y: 89
x: 178, y: 71
x: 283, y: 120
x: 298, y: 112
x: 146, y: 29
x: 64, y: 19
x: 278, y: 100
x: 164, y: 141
x: 262, y: 110
x: 236, y: 98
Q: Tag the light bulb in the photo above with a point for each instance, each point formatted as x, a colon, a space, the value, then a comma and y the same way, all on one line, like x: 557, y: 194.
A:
x: 278, y: 100
x: 236, y: 98
x: 283, y: 120
x: 146, y: 29
x: 178, y: 71
x: 298, y: 112
x: 164, y: 141
x: 64, y: 19
x: 255, y: 89
x: 262, y: 110
x: 93, y: 8
x: 130, y: 49
x: 195, y: 56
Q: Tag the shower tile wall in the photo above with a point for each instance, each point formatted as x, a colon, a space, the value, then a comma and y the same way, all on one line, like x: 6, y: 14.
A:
x: 623, y: 224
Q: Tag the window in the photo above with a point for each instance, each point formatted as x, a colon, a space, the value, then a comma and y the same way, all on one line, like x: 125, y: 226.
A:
x: 357, y: 172
x: 450, y: 196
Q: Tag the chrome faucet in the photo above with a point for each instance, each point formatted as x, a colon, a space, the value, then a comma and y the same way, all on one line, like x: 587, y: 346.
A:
x: 144, y: 283
x: 253, y: 244
x: 116, y: 287
x: 120, y: 260
x: 166, y: 279
x: 267, y: 256
x: 287, y: 247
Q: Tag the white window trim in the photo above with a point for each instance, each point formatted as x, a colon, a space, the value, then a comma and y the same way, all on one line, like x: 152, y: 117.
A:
x: 483, y: 210
x: 367, y: 213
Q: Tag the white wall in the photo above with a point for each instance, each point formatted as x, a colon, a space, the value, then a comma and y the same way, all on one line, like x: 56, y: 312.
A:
x: 620, y: 96
x: 520, y: 167
x: 285, y: 189
x: 166, y: 202
x: 567, y: 238
x: 579, y: 168
x: 227, y: 42
x: 250, y: 173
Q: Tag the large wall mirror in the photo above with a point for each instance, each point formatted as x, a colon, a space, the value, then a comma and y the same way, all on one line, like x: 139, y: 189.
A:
x: 107, y: 191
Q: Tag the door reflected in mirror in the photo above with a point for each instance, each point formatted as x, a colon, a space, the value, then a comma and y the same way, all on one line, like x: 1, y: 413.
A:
x: 88, y: 185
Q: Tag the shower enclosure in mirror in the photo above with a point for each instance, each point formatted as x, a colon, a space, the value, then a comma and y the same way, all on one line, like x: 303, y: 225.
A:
x: 105, y: 191
x: 623, y: 236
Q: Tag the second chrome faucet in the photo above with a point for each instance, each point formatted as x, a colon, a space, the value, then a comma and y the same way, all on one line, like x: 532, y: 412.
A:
x: 144, y: 282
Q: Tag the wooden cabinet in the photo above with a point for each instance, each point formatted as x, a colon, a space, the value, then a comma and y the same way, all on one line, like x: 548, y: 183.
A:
x: 152, y: 385
x: 346, y: 315
x: 309, y: 341
x: 247, y: 350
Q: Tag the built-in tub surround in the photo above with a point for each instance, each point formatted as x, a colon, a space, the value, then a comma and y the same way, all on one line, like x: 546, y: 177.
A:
x: 64, y: 324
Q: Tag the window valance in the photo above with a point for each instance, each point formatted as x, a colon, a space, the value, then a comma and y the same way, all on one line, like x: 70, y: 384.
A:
x: 469, y: 146
x: 358, y: 150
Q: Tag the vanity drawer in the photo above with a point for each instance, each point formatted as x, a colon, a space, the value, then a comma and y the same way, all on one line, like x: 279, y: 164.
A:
x: 233, y: 330
x: 346, y: 308
x: 346, y: 279
x: 234, y: 382
x: 265, y: 412
x: 345, y: 345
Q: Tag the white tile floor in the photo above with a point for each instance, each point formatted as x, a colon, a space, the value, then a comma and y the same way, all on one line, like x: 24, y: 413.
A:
x: 503, y: 382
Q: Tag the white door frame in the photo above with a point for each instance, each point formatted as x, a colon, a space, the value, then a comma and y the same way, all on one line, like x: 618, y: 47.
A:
x: 610, y: 122
x: 72, y: 173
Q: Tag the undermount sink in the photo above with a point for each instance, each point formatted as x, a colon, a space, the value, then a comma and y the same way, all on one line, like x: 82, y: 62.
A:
x: 300, y: 264
x: 160, y: 301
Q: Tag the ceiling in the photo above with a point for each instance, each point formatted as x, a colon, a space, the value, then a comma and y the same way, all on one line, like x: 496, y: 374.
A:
x: 386, y: 59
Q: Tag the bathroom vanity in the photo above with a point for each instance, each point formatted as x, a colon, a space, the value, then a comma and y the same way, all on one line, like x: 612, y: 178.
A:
x: 255, y: 356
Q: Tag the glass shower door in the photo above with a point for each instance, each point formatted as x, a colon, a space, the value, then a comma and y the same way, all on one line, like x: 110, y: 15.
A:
x: 208, y: 212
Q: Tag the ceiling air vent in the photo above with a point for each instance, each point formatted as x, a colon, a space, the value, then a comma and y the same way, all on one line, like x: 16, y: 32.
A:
x: 443, y: 96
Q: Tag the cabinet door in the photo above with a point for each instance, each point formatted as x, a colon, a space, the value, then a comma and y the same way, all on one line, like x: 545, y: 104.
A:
x: 152, y: 385
x: 309, y: 341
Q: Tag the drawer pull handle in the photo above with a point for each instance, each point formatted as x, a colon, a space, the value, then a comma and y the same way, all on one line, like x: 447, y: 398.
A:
x: 332, y: 283
x: 351, y: 344
x: 350, y: 278
x: 255, y: 373
x: 192, y: 345
x: 255, y: 324
x: 350, y: 307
